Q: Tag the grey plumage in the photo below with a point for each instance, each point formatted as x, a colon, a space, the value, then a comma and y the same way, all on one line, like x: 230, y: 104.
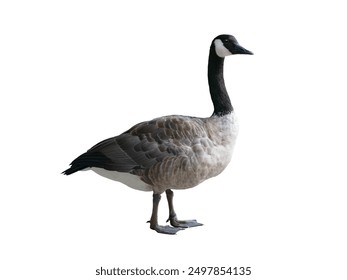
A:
x: 156, y: 151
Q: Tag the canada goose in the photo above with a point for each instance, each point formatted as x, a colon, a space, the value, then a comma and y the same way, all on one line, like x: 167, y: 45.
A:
x: 172, y: 152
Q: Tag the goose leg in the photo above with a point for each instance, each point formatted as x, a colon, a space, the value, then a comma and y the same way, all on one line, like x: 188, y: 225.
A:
x: 173, y: 217
x: 154, y: 219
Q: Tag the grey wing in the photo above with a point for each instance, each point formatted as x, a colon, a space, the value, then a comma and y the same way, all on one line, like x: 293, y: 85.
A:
x: 145, y: 144
x: 141, y: 147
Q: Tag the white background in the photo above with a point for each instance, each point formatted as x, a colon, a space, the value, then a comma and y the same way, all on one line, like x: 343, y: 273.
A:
x: 76, y: 72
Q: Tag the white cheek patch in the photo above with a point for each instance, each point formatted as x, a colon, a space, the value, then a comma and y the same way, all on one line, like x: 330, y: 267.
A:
x: 221, y: 51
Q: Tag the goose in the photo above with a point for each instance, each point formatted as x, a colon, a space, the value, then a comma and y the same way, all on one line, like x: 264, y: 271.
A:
x: 172, y: 152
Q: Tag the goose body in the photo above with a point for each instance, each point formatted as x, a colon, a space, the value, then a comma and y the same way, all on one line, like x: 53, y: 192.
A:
x: 172, y: 152
x: 176, y: 152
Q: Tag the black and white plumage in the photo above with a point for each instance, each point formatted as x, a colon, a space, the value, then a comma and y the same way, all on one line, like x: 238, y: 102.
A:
x: 172, y: 152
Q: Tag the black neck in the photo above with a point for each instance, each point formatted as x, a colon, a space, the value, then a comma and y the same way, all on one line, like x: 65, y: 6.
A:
x: 219, y: 94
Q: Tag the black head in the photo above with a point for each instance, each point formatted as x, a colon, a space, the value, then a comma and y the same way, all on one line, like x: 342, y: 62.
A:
x: 225, y: 45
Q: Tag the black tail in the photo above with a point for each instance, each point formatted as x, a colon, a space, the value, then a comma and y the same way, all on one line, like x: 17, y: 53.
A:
x: 94, y: 159
x: 72, y: 170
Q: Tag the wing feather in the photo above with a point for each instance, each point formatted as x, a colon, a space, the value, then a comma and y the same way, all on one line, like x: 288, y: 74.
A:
x: 144, y: 145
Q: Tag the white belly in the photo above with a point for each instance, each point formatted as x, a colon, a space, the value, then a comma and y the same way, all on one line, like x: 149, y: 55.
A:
x: 130, y: 180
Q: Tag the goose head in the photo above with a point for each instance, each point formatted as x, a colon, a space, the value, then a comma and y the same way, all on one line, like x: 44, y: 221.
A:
x: 225, y: 45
